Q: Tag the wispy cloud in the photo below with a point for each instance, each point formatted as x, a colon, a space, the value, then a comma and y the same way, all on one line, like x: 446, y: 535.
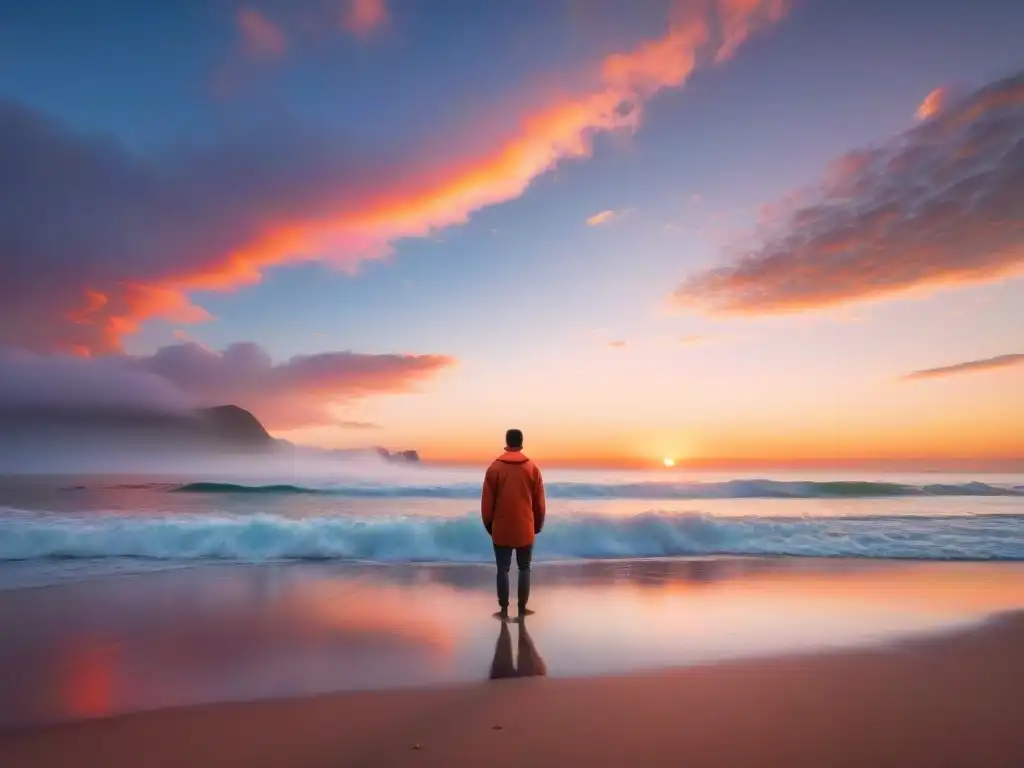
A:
x: 971, y: 366
x: 364, y: 17
x: 600, y: 218
x: 692, y: 339
x: 275, y: 29
x: 741, y: 18
x: 617, y: 344
x: 228, y: 213
x: 942, y: 204
x: 260, y: 36
x: 358, y: 425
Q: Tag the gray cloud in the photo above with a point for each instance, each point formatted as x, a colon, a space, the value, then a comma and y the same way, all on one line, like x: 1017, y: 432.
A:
x: 971, y: 366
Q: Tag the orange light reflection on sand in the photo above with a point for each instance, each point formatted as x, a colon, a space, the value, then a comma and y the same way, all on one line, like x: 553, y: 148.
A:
x: 706, y: 602
x: 351, y: 606
x: 972, y: 588
x: 702, y: 619
x: 86, y: 688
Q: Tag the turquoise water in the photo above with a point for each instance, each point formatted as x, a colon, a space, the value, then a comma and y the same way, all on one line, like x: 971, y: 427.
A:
x: 61, y: 528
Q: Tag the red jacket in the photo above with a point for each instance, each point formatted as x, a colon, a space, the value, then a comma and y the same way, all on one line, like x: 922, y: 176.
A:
x: 512, y: 503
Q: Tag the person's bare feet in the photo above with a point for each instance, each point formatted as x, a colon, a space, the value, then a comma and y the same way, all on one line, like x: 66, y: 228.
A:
x: 523, y: 613
x: 501, y: 615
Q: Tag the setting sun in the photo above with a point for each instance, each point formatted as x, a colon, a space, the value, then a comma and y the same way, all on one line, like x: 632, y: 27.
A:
x: 668, y: 461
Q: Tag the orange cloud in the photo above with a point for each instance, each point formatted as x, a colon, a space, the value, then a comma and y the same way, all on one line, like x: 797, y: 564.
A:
x: 137, y: 302
x: 941, y: 204
x: 971, y: 366
x: 560, y: 131
x: 363, y: 17
x: 618, y: 344
x: 260, y: 36
x: 600, y: 218
x: 228, y: 214
x: 932, y: 104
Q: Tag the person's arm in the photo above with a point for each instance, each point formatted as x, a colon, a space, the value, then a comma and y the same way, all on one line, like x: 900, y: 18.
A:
x: 488, y: 498
x: 539, y: 504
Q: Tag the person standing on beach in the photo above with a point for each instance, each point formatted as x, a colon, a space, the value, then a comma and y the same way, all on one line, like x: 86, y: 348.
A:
x: 512, y: 506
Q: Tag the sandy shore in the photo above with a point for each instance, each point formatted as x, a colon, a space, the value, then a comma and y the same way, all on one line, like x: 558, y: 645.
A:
x: 954, y: 700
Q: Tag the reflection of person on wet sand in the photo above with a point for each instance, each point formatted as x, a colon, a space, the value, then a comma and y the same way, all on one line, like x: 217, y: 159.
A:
x: 530, y: 662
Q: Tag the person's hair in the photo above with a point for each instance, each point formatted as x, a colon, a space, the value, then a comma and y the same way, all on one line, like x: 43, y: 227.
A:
x: 514, y: 438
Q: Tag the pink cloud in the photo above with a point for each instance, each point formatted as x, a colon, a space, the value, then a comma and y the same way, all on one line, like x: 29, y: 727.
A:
x: 261, y: 37
x: 298, y: 392
x: 364, y: 17
x: 741, y: 18
x: 940, y: 205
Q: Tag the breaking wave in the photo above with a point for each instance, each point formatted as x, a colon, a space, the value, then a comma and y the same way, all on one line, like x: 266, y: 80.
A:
x: 265, y: 537
x: 732, y: 489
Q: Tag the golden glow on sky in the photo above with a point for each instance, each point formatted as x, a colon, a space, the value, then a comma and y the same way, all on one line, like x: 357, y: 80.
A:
x: 715, y: 404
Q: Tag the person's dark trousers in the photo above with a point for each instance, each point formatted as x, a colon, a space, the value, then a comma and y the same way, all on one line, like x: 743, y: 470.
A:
x: 503, y: 558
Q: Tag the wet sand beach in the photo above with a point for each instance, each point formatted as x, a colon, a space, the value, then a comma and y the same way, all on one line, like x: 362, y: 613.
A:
x: 716, y: 662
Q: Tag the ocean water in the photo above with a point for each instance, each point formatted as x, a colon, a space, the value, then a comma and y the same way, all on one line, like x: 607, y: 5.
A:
x: 57, y: 529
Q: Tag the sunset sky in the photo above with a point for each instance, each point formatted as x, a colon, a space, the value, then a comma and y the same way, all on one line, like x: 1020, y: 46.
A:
x: 728, y: 229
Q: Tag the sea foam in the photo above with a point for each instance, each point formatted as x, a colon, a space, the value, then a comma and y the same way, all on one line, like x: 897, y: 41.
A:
x: 263, y: 537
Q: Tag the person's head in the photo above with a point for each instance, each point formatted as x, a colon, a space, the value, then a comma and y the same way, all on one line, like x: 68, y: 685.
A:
x: 514, y: 440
